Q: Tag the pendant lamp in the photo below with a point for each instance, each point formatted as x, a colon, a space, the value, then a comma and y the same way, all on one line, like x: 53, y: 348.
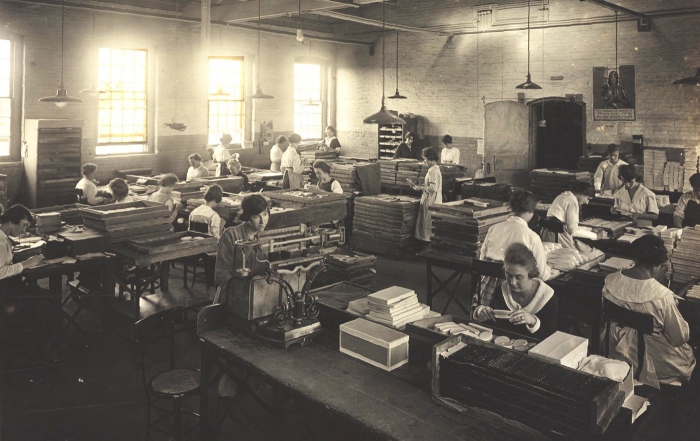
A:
x: 695, y: 81
x: 259, y: 95
x: 383, y: 116
x: 61, y: 98
x: 300, y: 32
x: 397, y: 95
x: 528, y: 84
x: 92, y: 90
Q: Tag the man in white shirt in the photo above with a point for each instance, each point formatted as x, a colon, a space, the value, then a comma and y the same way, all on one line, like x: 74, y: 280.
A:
x: 196, y: 170
x: 450, y: 153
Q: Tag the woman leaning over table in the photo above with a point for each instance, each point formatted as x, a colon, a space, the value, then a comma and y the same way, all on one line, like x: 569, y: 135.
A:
x: 669, y: 358
x: 432, y: 194
x: 565, y: 209
x: 532, y: 304
x: 205, y: 214
x: 500, y: 236
x: 634, y: 200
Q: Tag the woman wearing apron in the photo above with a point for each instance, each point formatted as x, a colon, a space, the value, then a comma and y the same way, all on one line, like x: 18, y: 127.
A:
x: 432, y: 194
x: 565, y: 209
x: 687, y: 212
x: 291, y: 164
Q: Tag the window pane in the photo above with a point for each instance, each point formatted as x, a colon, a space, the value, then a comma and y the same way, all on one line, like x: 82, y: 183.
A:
x: 308, y: 105
x: 226, y: 105
x: 5, y: 101
x: 122, y: 75
x: 4, y: 146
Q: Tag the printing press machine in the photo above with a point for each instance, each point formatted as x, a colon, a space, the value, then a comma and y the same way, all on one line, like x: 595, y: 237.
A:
x: 278, y: 306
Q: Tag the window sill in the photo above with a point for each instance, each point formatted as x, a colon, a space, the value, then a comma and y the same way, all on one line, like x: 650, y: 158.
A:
x: 124, y: 155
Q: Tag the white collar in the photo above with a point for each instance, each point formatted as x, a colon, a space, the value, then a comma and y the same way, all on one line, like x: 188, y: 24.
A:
x: 543, y: 294
x: 514, y: 218
x: 634, y: 290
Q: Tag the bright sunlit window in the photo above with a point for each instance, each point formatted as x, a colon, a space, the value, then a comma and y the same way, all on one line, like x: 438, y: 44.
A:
x: 308, y: 105
x: 226, y: 105
x: 123, y: 117
x: 5, y: 96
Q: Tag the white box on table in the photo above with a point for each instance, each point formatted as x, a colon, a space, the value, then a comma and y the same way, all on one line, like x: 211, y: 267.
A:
x: 373, y: 343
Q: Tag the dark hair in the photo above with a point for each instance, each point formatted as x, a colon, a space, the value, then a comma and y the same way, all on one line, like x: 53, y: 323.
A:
x: 195, y: 156
x: 649, y: 250
x: 251, y: 206
x: 281, y: 140
x: 410, y: 135
x: 168, y: 180
x: 447, y: 139
x: 429, y: 154
x: 612, y: 148
x: 628, y: 173
x: 519, y: 254
x: 224, y: 136
x: 584, y: 188
x: 214, y: 193
x: 15, y: 214
x: 210, y: 150
x: 522, y: 201
x: 294, y: 138
x: 119, y: 188
x: 323, y: 165
x: 234, y: 162
x: 694, y: 180
x: 89, y: 168
x: 332, y: 129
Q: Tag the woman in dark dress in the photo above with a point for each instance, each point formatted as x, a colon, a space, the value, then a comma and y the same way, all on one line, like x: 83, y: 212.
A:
x: 405, y: 149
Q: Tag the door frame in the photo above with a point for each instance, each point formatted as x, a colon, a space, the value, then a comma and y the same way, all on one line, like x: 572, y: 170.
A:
x: 532, y: 105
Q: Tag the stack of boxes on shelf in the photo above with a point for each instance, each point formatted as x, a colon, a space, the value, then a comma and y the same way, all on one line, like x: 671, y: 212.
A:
x: 685, y: 260
x: 460, y: 227
x: 654, y: 162
x: 690, y: 166
x: 673, y: 176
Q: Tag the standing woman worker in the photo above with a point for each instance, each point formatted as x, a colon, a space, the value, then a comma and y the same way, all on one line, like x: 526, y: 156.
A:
x: 221, y: 154
x: 634, y: 199
x: 88, y: 185
x: 432, y: 194
x: 566, y: 208
x: 325, y: 182
x: 668, y: 358
x: 291, y: 164
x: 500, y: 236
x: 450, y: 153
x: 277, y: 151
x: 606, y: 176
x: 330, y: 142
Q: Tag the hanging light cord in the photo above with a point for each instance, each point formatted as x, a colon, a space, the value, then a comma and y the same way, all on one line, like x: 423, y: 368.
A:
x: 528, y: 36
x: 63, y: 5
x: 397, y: 60
x: 383, y: 38
x: 299, y: 17
x: 615, y: 39
x: 258, y: 44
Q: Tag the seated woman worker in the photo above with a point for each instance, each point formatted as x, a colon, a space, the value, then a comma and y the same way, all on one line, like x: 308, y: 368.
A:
x: 634, y: 200
x: 532, y: 306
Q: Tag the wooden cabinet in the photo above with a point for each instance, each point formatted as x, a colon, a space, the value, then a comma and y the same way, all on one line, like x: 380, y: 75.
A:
x: 391, y: 135
x: 52, y: 162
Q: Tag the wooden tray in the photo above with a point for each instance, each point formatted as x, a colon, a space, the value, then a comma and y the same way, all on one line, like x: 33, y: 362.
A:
x: 166, y: 244
x: 120, y: 210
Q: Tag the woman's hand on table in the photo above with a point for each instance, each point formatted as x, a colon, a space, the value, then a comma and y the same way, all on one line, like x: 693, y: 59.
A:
x: 32, y: 261
x: 485, y: 313
x: 522, y: 317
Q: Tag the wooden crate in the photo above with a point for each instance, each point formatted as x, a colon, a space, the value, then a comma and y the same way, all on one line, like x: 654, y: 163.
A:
x: 173, y: 242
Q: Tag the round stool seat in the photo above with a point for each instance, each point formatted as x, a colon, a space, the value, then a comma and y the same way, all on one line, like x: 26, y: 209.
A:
x: 176, y: 382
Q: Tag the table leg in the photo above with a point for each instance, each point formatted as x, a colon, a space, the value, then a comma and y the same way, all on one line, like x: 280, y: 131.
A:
x: 205, y: 367
x: 164, y: 276
x: 429, y: 283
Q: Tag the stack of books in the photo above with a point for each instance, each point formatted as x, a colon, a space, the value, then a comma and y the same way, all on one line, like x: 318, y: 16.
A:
x: 690, y: 166
x: 654, y: 163
x: 395, y: 306
x: 685, y: 260
x: 670, y: 236
x: 673, y: 176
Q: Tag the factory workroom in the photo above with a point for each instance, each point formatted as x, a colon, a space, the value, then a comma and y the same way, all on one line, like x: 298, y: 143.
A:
x: 349, y: 220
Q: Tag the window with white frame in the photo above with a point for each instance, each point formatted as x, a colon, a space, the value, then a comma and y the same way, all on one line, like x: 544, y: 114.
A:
x: 226, y: 104
x: 5, y: 96
x: 123, y: 110
x: 308, y: 102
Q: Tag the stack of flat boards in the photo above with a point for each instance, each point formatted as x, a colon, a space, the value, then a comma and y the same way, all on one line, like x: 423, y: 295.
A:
x: 693, y: 292
x: 264, y: 176
x: 187, y: 190
x: 173, y: 242
x: 616, y: 228
x: 133, y: 220
x: 410, y: 170
x: 70, y: 214
x: 231, y: 184
x: 547, y: 184
x: 359, y: 268
x: 449, y: 173
x: 394, y: 306
x: 388, y: 171
x: 308, y: 157
x: 685, y: 260
x: 322, y: 207
x: 47, y: 223
x: 654, y: 163
x: 384, y: 224
x: 346, y: 174
x: 589, y: 163
x: 546, y: 396
x: 690, y: 166
x: 487, y: 190
x: 460, y: 227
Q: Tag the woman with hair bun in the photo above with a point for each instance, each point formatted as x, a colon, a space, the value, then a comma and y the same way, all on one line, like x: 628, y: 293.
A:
x: 532, y: 304
x: 88, y: 185
x: 235, y: 169
x: 634, y: 199
x: 205, y: 213
x: 432, y: 194
x: 668, y: 358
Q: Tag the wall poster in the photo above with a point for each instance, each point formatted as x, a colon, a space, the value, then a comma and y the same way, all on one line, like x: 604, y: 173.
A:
x: 614, y: 94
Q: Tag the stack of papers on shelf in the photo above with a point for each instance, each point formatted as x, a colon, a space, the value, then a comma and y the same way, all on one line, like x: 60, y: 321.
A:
x: 685, y: 260
x: 654, y: 163
x: 395, y: 306
x: 673, y: 176
x: 690, y: 166
x: 562, y: 348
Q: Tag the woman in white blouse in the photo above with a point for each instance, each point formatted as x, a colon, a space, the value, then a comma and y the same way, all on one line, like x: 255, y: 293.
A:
x: 14, y: 222
x: 565, y: 209
x: 89, y: 186
x: 634, y: 199
x: 432, y: 194
x: 450, y: 153
x: 205, y: 214
x: 291, y: 164
x: 277, y: 151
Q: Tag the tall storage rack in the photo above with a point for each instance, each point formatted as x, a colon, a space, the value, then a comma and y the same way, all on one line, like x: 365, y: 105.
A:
x: 52, y: 161
x: 391, y: 135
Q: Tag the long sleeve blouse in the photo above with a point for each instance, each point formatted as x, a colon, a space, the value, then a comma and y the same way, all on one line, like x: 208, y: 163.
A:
x: 89, y: 191
x: 7, y: 268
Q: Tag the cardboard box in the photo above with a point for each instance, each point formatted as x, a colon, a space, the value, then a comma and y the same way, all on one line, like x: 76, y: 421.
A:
x: 375, y: 344
x: 562, y: 348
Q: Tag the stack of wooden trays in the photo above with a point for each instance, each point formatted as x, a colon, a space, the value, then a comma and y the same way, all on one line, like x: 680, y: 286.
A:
x: 323, y: 207
x: 685, y: 260
x: 228, y: 209
x: 487, y: 190
x: 47, y: 223
x: 346, y: 175
x: 409, y: 170
x: 589, y: 163
x: 547, y: 184
x: 133, y: 220
x: 70, y: 214
x: 231, y: 184
x: 308, y: 157
x: 185, y: 240
x: 359, y: 268
x: 388, y: 171
x: 384, y: 224
x: 460, y: 227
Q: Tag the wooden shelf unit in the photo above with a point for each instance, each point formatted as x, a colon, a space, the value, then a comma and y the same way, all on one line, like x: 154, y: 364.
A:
x: 391, y: 135
x: 52, y: 161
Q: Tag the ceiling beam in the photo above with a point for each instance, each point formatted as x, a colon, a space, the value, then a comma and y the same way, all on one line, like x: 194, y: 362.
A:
x: 237, y: 12
x: 379, y: 24
x: 643, y: 20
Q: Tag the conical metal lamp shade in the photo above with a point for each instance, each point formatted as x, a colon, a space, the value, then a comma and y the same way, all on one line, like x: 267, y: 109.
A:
x: 259, y: 95
x: 690, y: 80
x: 528, y: 84
x: 397, y: 96
x: 60, y: 97
x: 383, y: 117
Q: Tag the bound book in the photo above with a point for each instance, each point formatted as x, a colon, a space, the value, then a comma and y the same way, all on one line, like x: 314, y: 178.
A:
x: 390, y: 295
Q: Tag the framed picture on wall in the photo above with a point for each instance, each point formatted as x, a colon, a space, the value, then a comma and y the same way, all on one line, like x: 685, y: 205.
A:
x: 614, y: 94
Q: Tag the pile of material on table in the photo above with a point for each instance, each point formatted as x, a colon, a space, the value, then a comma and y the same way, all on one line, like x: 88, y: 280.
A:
x: 384, y: 224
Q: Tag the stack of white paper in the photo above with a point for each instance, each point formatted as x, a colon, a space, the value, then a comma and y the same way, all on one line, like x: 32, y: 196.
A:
x: 395, y: 306
x: 562, y: 348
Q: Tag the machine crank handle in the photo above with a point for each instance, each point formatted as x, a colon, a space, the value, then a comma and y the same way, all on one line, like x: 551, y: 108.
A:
x: 299, y: 268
